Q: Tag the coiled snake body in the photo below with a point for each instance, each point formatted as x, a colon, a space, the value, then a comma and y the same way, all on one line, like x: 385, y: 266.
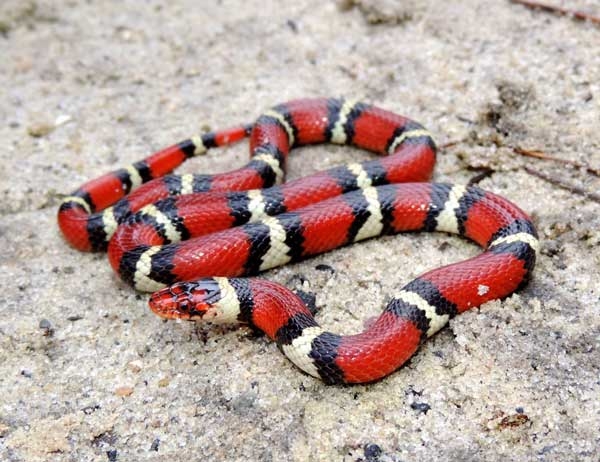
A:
x: 192, y: 237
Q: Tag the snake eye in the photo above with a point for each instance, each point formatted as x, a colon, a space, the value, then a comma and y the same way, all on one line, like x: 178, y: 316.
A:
x: 184, y: 305
x: 175, y: 302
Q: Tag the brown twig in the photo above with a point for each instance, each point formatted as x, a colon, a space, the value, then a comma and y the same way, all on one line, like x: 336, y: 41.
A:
x: 542, y: 155
x: 450, y: 144
x: 580, y: 15
x: 563, y: 184
x: 484, y: 172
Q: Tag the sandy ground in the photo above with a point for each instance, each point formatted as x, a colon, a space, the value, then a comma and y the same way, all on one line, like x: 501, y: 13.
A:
x: 88, y: 373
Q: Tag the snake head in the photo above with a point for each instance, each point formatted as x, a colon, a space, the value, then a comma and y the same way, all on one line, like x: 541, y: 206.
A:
x: 188, y: 300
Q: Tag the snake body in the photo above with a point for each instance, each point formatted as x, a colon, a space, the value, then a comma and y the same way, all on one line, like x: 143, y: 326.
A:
x: 192, y: 237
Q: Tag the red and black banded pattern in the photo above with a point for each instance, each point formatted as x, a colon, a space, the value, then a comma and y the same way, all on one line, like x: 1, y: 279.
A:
x: 146, y: 250
x: 89, y: 216
x: 214, y: 227
x: 418, y: 310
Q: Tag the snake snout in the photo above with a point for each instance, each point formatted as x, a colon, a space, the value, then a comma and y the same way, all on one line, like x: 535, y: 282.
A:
x: 185, y: 300
x: 167, y: 305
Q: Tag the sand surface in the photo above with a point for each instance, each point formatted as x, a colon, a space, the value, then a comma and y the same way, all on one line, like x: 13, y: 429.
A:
x: 87, y: 372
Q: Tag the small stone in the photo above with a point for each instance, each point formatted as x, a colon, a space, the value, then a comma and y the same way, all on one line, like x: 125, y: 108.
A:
x: 372, y: 452
x: 90, y: 409
x: 62, y: 119
x: 325, y: 267
x: 39, y: 129
x: 421, y: 408
x: 135, y: 366
x: 47, y: 328
x: 164, y: 382
x: 345, y: 5
x: 124, y: 391
x: 155, y: 444
x: 292, y: 25
x: 112, y: 455
x: 156, y: 423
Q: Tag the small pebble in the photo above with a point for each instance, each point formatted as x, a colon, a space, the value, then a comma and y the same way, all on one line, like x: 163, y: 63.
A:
x: 90, y: 409
x: 422, y: 408
x: 62, y: 119
x: 372, y: 452
x: 292, y: 25
x: 324, y: 267
x: 135, y: 366
x: 124, y: 391
x: 47, y: 329
x: 155, y: 444
x: 112, y: 455
x: 39, y: 129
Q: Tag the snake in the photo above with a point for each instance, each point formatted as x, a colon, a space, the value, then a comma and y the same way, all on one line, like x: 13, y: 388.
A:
x: 197, y: 241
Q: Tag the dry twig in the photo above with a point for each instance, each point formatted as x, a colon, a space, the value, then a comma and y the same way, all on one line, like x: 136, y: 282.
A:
x: 484, y: 172
x: 450, y: 144
x: 557, y: 9
x: 542, y: 155
x: 563, y: 184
